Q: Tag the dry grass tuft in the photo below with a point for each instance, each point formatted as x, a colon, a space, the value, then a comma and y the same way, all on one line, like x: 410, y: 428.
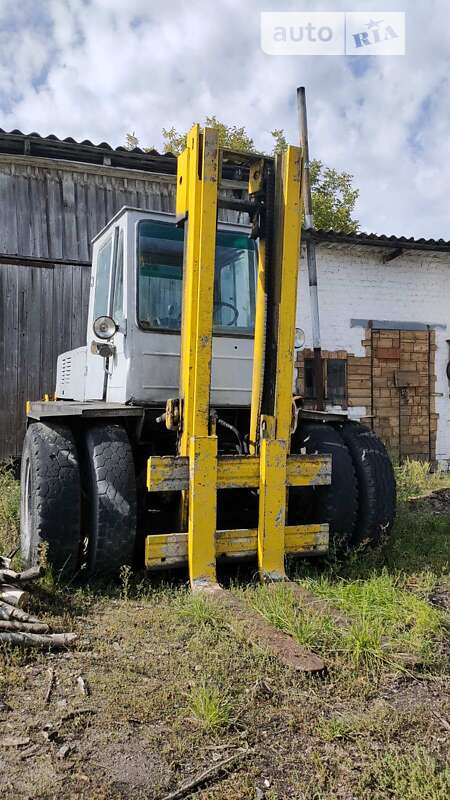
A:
x: 9, y: 509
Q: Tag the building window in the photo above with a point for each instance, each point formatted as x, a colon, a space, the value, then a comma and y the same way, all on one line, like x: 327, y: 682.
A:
x: 334, y: 377
x: 336, y: 381
x: 310, y: 384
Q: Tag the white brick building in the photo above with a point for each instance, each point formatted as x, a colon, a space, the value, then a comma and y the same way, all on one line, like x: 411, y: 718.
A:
x: 385, y: 314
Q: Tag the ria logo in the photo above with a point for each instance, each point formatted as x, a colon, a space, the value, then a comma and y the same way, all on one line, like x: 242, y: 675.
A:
x: 333, y: 33
x: 377, y: 32
x: 375, y: 35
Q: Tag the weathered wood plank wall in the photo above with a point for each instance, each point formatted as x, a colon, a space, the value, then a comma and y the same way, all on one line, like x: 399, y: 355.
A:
x: 53, y: 209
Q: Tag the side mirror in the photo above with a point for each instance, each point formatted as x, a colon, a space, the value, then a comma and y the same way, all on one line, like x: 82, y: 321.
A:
x: 105, y: 327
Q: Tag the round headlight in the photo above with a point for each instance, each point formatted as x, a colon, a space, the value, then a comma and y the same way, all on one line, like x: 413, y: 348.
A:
x: 299, y: 340
x: 104, y: 327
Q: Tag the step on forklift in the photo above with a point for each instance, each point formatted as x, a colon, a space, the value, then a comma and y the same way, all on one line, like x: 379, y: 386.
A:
x: 174, y: 438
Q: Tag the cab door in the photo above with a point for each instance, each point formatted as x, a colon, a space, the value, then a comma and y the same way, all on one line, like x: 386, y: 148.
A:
x: 118, y: 364
x: 106, y: 299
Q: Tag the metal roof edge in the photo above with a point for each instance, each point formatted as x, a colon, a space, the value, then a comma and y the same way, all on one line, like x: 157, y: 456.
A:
x: 377, y: 240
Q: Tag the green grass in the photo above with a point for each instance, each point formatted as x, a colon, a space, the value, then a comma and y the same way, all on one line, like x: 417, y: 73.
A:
x: 341, y: 727
x: 415, y: 776
x: 415, y: 478
x: 197, y: 609
x: 385, y: 595
x: 391, y: 628
x: 279, y: 606
x: 210, y: 706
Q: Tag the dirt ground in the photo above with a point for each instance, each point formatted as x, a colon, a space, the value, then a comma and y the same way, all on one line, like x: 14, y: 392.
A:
x: 172, y: 693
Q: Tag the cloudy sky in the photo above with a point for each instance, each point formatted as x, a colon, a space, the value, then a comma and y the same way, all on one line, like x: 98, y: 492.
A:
x: 96, y: 69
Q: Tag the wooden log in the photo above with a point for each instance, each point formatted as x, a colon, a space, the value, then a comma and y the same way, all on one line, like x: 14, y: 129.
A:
x: 19, y: 625
x: 11, y: 577
x: 7, y: 575
x: 8, y: 611
x: 31, y: 574
x: 37, y: 640
x: 13, y: 595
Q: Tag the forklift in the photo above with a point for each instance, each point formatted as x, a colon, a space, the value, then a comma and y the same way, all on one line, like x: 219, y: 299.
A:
x: 174, y: 438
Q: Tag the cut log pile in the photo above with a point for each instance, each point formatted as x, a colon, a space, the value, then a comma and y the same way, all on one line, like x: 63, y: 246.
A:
x: 16, y: 625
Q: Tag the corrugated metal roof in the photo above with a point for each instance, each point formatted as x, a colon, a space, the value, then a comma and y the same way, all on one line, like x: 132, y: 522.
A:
x: 19, y: 143
x: 391, y: 243
x: 33, y: 144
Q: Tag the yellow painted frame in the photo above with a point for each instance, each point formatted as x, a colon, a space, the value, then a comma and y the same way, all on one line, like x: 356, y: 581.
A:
x: 197, y: 173
x: 275, y: 430
x: 197, y: 471
x: 164, y: 550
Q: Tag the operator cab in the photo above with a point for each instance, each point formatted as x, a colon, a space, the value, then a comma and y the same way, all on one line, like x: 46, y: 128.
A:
x: 136, y: 281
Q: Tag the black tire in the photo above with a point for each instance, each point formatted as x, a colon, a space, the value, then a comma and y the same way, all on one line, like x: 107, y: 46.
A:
x: 376, y: 483
x: 50, y: 504
x: 337, y: 503
x: 111, y: 499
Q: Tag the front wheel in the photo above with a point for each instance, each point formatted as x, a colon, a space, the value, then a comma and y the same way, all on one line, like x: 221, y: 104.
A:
x: 110, y: 489
x: 50, y: 504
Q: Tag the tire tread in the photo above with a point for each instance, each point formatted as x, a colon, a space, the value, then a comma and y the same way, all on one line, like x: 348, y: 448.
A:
x: 112, y: 498
x: 376, y: 481
x: 56, y: 503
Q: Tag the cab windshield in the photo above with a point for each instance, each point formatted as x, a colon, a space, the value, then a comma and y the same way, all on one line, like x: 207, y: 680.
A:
x: 160, y: 273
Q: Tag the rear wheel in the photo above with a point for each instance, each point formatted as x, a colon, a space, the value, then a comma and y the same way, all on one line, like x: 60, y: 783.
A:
x: 376, y: 483
x: 336, y: 503
x: 50, y: 505
x: 110, y: 498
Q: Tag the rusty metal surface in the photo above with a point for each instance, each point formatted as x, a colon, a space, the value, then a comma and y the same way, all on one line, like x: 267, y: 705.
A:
x: 69, y: 408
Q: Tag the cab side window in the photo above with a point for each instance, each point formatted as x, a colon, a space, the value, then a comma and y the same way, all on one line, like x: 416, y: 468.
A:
x: 102, y: 280
x: 117, y: 310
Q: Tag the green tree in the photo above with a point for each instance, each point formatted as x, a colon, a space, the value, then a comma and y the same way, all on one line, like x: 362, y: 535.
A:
x: 333, y: 194
x: 231, y: 136
x: 333, y: 198
x: 173, y: 141
x: 280, y: 141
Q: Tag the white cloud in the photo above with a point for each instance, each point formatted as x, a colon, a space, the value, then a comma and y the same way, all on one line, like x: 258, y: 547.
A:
x: 101, y: 68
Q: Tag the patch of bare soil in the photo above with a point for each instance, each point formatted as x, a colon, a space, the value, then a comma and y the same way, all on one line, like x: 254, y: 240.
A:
x: 437, y: 502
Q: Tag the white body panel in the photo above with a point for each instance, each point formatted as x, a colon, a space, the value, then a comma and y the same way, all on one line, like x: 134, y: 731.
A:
x: 145, y: 367
x: 71, y: 375
x: 157, y: 377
